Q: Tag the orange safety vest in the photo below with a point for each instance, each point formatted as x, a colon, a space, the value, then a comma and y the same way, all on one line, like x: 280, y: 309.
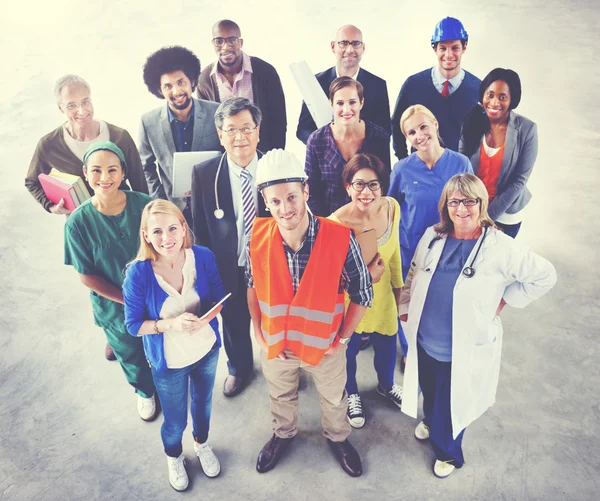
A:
x: 305, y: 323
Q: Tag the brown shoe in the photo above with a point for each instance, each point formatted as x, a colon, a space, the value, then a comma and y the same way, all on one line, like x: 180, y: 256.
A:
x: 271, y: 452
x: 234, y: 385
x: 347, y: 456
x: 109, y: 353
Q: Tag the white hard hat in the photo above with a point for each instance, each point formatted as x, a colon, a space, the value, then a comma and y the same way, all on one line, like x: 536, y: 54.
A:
x: 279, y: 166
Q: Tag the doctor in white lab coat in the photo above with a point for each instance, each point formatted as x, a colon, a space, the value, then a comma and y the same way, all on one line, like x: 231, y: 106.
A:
x: 462, y: 274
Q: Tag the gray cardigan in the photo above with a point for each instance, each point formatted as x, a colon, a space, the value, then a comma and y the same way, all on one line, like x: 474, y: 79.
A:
x: 520, y: 153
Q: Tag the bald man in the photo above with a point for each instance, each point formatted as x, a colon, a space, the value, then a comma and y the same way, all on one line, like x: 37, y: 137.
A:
x: 348, y: 49
x: 236, y: 74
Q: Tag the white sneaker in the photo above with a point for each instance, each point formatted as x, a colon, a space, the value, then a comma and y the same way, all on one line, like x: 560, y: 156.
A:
x: 441, y: 469
x: 422, y: 431
x: 209, y: 462
x: 178, y: 477
x: 355, y: 413
x: 146, y: 408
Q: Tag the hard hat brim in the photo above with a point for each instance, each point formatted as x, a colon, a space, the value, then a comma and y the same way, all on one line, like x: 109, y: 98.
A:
x: 262, y: 186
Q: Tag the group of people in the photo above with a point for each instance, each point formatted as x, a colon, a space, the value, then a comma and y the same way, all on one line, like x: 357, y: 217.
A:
x: 287, y: 243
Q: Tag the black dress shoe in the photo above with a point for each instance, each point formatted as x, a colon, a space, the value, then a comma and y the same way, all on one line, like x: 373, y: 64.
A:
x: 234, y: 385
x: 271, y: 452
x: 347, y: 456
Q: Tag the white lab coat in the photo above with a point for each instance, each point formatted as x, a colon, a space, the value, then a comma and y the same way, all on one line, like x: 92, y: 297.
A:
x: 503, y: 269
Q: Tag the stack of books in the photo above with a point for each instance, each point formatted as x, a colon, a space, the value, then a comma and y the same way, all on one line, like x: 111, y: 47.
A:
x: 68, y: 187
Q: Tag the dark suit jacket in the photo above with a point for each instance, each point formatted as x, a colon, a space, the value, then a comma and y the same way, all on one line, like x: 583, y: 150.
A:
x: 219, y: 235
x: 268, y: 96
x: 376, y: 108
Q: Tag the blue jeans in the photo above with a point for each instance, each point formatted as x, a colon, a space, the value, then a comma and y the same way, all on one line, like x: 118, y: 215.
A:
x: 384, y: 360
x: 172, y: 388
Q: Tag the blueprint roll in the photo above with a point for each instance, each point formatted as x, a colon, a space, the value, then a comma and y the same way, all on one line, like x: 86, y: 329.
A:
x: 316, y: 101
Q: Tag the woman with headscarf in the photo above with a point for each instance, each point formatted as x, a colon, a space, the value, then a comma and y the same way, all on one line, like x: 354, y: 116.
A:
x: 101, y: 237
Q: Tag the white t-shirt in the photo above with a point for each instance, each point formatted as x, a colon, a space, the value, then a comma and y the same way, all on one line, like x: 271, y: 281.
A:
x: 80, y: 147
x: 181, y: 348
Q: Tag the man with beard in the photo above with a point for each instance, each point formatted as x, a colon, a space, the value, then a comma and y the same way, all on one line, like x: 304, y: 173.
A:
x: 446, y: 89
x: 236, y: 74
x: 184, y: 124
x: 297, y: 269
x: 348, y: 49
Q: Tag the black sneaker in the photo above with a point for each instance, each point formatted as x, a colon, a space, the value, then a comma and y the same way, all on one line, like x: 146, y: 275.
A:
x: 356, y: 415
x: 394, y: 395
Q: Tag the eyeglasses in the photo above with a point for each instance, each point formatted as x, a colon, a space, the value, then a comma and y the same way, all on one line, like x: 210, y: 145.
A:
x: 245, y: 131
x: 361, y: 185
x: 86, y: 103
x: 467, y: 202
x: 231, y: 41
x: 342, y: 44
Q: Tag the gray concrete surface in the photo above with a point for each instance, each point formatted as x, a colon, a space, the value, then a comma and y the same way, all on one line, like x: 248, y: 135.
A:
x: 68, y: 423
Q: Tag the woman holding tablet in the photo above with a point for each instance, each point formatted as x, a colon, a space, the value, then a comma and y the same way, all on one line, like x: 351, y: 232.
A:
x: 166, y: 289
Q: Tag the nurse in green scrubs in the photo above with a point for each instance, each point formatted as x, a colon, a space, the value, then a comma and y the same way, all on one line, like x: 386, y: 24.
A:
x: 101, y: 237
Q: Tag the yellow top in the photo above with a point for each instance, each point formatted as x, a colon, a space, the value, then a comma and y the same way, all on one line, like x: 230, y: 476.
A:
x: 382, y: 316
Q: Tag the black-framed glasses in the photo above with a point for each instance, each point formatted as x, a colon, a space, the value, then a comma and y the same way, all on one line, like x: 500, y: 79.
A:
x: 86, y: 103
x: 342, y: 44
x: 245, y: 131
x: 467, y: 202
x: 231, y: 41
x: 361, y: 185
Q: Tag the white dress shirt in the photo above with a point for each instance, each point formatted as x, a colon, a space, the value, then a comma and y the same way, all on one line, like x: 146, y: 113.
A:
x: 235, y: 180
x: 439, y: 79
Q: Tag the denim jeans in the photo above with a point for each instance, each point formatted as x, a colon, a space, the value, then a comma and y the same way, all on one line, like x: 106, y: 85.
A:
x: 172, y: 389
x: 384, y: 360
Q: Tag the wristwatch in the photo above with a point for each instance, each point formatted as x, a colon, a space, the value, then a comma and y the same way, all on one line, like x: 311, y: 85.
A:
x: 345, y: 340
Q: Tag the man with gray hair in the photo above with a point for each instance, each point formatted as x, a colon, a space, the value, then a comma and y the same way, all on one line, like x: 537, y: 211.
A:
x: 224, y: 204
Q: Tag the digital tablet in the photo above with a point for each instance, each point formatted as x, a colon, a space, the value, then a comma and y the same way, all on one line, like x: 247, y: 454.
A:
x: 214, y: 307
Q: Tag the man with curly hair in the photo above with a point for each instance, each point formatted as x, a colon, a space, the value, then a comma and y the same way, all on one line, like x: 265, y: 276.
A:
x: 184, y: 124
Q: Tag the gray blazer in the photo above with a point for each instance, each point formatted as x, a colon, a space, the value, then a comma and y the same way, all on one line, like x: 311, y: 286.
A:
x: 157, y: 146
x: 520, y: 153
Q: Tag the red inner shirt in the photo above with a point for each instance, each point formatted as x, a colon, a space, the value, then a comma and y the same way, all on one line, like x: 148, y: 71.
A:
x: 489, y: 169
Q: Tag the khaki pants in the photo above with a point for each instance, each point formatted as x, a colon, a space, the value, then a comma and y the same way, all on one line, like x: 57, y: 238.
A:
x: 330, y: 379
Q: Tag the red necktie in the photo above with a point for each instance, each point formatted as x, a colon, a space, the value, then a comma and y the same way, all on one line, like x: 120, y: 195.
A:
x: 446, y: 89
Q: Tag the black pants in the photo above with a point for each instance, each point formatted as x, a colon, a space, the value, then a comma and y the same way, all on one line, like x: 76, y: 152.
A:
x: 236, y: 330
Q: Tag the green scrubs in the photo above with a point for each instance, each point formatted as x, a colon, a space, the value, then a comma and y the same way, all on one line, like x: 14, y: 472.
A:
x: 101, y: 245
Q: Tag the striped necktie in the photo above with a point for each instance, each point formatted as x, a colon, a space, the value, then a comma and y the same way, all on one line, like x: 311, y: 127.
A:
x: 247, y: 201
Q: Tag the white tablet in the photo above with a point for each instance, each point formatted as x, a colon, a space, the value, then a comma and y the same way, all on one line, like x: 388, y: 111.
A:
x: 183, y: 164
x: 214, y: 307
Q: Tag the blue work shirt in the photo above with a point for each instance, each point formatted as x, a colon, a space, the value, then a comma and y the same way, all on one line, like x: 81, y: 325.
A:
x: 435, y: 328
x: 418, y: 190
x: 183, y: 132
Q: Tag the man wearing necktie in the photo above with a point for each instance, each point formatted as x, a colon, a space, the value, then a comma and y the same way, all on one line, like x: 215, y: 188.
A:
x: 446, y: 89
x: 224, y: 205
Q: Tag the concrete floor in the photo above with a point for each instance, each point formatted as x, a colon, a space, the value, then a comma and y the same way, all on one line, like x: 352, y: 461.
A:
x: 69, y: 428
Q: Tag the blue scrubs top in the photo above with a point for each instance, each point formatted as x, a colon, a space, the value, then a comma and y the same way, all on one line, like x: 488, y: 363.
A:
x: 435, y: 327
x: 418, y: 190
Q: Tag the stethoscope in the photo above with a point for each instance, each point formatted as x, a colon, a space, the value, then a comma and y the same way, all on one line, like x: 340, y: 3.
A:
x: 468, y: 271
x: 219, y: 213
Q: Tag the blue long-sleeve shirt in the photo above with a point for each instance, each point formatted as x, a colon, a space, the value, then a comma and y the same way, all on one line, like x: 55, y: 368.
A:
x: 144, y: 298
x: 418, y: 190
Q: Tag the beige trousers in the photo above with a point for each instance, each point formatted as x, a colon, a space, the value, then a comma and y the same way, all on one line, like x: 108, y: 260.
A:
x: 330, y: 379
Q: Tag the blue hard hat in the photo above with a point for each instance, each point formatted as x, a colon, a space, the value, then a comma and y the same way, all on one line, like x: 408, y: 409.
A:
x: 449, y: 28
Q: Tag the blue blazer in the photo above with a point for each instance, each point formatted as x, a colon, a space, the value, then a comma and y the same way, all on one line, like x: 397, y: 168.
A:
x: 376, y: 108
x: 144, y: 298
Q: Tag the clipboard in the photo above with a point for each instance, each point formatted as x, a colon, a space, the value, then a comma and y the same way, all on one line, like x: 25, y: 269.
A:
x: 367, y: 239
x: 183, y: 165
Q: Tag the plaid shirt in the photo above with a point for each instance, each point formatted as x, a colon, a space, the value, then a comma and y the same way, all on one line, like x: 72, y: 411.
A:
x: 242, y: 85
x: 325, y: 163
x: 355, y: 279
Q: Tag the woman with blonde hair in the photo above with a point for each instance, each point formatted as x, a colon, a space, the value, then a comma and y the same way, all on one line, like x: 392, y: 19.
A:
x: 417, y: 180
x: 463, y: 273
x: 167, y: 289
